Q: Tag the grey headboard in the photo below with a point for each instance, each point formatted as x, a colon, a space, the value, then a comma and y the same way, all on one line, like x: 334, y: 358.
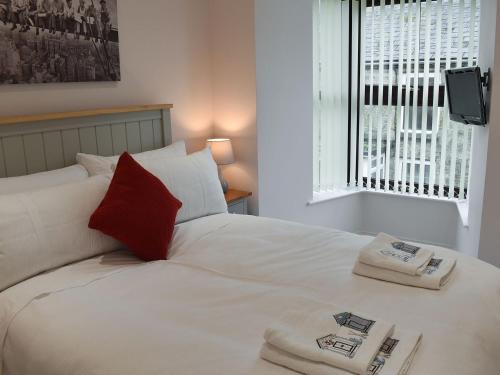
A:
x: 31, y: 144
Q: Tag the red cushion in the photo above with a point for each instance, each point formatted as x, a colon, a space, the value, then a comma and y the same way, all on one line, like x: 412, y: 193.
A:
x: 138, y: 210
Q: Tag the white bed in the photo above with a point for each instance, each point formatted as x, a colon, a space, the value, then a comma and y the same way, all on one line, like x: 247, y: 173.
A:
x: 229, y: 277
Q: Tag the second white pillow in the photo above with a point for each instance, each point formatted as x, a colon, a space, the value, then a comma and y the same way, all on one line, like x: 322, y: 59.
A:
x: 97, y: 165
x: 193, y: 180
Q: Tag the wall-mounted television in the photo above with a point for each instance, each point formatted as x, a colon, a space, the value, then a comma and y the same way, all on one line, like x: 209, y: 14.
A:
x: 465, y: 96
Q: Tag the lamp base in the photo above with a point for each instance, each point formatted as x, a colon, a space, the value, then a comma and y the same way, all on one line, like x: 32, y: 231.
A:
x: 225, y: 185
x: 223, y: 182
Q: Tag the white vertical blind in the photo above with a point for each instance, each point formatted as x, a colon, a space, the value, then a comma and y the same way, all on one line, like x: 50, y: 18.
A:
x: 406, y: 126
x: 388, y: 137
x: 400, y: 77
x: 316, y: 99
x: 362, y: 80
x: 371, y: 104
x: 454, y: 143
x: 425, y: 99
x: 413, y: 141
x: 436, y: 112
x: 354, y: 93
x: 416, y: 76
x: 406, y: 141
x: 381, y: 69
x: 466, y: 144
x: 446, y: 119
x: 330, y: 95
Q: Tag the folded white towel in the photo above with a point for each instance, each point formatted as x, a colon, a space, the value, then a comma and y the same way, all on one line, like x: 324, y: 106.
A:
x: 436, y: 274
x: 345, y: 340
x: 390, y: 253
x: 394, y: 357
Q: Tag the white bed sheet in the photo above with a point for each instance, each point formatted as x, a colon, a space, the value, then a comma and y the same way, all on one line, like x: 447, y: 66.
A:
x: 229, y: 277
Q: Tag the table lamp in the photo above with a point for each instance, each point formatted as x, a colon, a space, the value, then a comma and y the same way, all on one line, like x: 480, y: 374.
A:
x: 222, y: 152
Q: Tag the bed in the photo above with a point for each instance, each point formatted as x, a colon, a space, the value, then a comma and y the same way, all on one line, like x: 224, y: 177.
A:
x: 228, y: 277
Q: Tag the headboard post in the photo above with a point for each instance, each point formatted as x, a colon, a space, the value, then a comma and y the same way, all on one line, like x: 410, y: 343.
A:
x: 167, y: 125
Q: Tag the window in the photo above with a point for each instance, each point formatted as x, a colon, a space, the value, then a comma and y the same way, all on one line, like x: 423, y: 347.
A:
x: 380, y: 111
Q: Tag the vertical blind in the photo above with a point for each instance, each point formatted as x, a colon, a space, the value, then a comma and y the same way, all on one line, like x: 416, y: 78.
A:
x: 404, y: 138
x: 330, y: 53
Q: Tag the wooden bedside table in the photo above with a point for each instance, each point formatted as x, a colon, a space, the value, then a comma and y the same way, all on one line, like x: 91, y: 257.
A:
x: 237, y: 201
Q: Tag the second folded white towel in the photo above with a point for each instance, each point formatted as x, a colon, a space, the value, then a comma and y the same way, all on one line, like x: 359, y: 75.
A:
x: 346, y: 340
x: 392, y: 254
x: 394, y: 357
x: 435, y: 276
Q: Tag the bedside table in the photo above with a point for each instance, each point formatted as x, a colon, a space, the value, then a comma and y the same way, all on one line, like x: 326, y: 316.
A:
x: 237, y: 201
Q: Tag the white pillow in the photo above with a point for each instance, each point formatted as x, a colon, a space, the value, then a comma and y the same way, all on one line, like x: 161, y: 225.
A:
x: 194, y: 181
x: 37, y: 181
x: 48, y: 228
x: 96, y: 164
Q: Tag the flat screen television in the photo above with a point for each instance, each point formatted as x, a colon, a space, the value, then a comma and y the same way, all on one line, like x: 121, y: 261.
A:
x: 465, y: 96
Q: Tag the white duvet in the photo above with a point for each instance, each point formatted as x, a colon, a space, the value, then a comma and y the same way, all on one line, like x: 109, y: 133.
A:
x: 228, y: 278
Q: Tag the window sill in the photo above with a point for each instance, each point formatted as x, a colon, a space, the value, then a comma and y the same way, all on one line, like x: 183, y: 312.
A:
x: 463, y: 211
x: 462, y: 206
x: 332, y: 195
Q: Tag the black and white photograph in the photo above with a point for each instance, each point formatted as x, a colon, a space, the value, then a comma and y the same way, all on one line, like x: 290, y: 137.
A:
x: 57, y: 41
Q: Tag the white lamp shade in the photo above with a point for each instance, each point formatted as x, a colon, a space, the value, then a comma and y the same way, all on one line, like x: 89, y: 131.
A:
x: 222, y: 150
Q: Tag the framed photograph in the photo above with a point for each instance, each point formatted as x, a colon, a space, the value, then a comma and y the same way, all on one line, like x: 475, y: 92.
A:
x: 44, y: 41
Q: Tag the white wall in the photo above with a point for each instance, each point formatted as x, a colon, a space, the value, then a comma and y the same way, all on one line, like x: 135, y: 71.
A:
x: 489, y: 247
x: 283, y: 35
x: 410, y: 218
x: 165, y: 58
x: 468, y: 238
x: 234, y: 91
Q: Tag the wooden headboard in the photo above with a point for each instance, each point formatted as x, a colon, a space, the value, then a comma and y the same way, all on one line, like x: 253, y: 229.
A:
x: 31, y: 144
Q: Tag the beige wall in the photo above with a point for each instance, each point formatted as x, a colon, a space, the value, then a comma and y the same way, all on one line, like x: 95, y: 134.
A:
x: 234, y: 88
x: 197, y: 54
x: 165, y: 58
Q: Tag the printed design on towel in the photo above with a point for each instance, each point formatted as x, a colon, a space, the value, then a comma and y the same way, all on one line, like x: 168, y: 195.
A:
x: 376, y: 366
x: 388, y: 346
x: 341, y: 345
x: 354, y: 322
x: 407, y: 248
x: 401, y: 251
x: 385, y: 353
x: 433, y: 266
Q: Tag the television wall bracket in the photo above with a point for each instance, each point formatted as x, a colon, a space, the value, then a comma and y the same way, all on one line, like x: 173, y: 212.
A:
x: 486, y: 79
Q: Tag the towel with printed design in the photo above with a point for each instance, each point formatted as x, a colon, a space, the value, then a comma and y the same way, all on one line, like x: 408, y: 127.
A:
x: 346, y: 340
x: 392, y: 254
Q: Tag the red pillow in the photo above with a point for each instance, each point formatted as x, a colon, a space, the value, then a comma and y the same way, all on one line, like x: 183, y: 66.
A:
x: 138, y: 210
